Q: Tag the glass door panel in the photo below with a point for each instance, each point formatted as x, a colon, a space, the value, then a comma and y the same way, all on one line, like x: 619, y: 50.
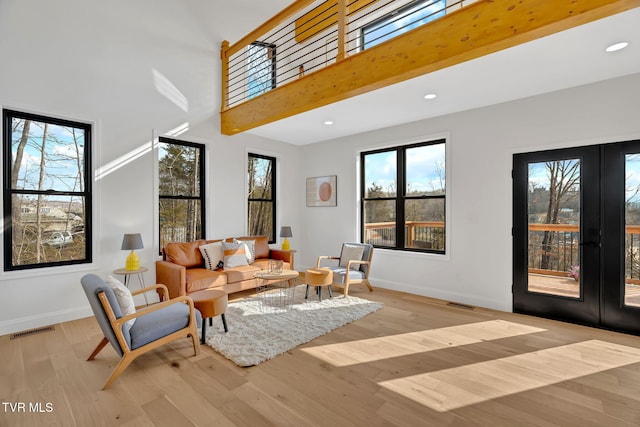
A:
x: 553, y: 212
x: 632, y: 231
x: 556, y: 234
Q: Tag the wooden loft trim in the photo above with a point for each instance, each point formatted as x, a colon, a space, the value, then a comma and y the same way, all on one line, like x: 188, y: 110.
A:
x: 479, y: 29
x: 324, y: 17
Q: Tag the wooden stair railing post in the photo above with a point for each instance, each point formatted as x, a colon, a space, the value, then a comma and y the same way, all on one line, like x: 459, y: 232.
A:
x: 342, y: 30
x: 224, y: 56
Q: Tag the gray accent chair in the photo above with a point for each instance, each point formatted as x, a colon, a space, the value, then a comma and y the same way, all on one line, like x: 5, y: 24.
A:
x: 351, y: 269
x: 155, y: 325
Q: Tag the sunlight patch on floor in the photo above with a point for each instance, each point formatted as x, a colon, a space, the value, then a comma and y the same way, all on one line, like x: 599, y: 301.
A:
x: 370, y: 350
x: 471, y: 384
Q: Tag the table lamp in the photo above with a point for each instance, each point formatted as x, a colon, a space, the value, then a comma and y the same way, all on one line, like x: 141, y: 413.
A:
x: 285, y: 231
x: 132, y: 242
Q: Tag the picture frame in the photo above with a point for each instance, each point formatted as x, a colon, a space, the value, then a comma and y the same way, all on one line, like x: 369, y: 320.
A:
x: 322, y: 191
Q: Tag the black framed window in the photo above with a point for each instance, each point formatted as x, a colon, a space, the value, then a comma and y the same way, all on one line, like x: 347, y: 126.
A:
x: 181, y: 191
x: 47, y: 192
x: 401, y: 20
x: 261, y: 68
x: 261, y: 173
x: 403, y: 197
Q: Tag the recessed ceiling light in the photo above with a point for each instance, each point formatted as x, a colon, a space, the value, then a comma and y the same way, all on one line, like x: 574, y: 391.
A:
x: 617, y: 46
x: 328, y: 122
x: 430, y: 96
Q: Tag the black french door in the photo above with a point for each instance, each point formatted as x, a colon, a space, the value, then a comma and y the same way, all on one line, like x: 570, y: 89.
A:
x: 576, y: 235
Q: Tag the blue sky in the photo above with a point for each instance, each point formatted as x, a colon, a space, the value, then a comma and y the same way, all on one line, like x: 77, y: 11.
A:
x: 422, y: 168
x: 61, y: 167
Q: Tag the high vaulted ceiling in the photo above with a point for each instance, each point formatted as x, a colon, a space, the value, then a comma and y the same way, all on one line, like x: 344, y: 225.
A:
x: 571, y: 58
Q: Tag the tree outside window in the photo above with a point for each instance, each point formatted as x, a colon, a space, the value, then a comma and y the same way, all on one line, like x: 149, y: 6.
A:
x: 403, y: 197
x: 261, y: 172
x: 181, y: 191
x: 47, y: 191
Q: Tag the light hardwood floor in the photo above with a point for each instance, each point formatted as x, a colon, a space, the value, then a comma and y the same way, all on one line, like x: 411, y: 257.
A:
x: 416, y: 362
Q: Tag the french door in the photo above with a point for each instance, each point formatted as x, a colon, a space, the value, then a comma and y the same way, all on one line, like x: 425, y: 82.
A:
x: 576, y: 235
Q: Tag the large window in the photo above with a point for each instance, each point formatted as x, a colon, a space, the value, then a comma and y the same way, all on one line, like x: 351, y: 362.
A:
x: 261, y: 172
x: 400, y: 21
x: 261, y: 68
x: 46, y: 191
x: 181, y: 192
x: 403, y: 197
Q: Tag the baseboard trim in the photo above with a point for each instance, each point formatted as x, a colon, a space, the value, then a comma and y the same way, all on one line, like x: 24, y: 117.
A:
x: 426, y: 291
x: 45, y: 319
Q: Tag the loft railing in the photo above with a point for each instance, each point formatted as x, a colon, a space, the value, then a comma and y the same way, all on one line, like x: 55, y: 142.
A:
x: 310, y: 35
x: 317, y: 52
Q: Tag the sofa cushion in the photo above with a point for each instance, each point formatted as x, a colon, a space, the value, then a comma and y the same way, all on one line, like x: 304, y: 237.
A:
x: 261, y: 245
x: 250, y: 248
x: 235, y: 254
x: 263, y: 264
x: 201, y: 278
x: 185, y: 254
x: 238, y: 274
x: 212, y: 255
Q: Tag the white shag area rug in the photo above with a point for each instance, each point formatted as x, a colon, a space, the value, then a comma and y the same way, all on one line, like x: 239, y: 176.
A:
x: 263, y: 327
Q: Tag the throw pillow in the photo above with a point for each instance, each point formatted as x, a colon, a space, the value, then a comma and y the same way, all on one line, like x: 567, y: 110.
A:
x: 351, y: 253
x: 250, y: 248
x: 213, y: 255
x: 124, y: 297
x: 234, y: 254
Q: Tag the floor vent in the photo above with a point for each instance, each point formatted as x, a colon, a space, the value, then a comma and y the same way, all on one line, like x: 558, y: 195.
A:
x: 32, y: 332
x: 460, y: 305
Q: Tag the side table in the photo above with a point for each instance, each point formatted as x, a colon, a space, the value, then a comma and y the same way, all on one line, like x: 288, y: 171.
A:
x: 284, y: 284
x: 127, y: 278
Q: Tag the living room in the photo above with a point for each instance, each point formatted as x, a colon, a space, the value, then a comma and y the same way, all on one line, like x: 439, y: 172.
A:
x: 104, y: 64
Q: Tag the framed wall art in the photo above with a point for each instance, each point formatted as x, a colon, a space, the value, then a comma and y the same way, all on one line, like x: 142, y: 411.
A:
x: 322, y: 191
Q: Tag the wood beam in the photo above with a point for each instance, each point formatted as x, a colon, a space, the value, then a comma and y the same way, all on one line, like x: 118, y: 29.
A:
x: 479, y: 29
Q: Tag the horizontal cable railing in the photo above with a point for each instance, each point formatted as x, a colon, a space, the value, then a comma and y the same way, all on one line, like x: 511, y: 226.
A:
x: 311, y: 34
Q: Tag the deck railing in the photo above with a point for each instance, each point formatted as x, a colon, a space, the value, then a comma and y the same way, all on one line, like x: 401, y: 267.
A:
x: 552, y: 256
x: 418, y: 234
x: 555, y: 248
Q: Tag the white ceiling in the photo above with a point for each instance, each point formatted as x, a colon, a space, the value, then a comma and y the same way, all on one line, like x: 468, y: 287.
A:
x: 572, y: 58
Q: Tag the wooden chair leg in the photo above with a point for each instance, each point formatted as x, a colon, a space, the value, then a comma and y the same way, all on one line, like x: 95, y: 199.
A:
x: 118, y: 370
x: 98, y: 348
x: 366, y: 282
x: 195, y: 339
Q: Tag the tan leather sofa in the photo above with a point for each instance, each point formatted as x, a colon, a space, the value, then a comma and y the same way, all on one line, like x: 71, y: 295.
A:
x: 182, y: 269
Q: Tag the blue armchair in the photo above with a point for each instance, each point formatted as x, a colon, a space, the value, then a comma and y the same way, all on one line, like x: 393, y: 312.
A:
x: 354, y: 264
x: 154, y: 326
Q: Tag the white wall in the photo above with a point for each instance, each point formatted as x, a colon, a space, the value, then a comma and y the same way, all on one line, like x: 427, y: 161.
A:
x: 481, y: 144
x: 134, y: 70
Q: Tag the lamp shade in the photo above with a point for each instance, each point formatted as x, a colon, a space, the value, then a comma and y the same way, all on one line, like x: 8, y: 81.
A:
x: 285, y: 231
x: 132, y: 241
